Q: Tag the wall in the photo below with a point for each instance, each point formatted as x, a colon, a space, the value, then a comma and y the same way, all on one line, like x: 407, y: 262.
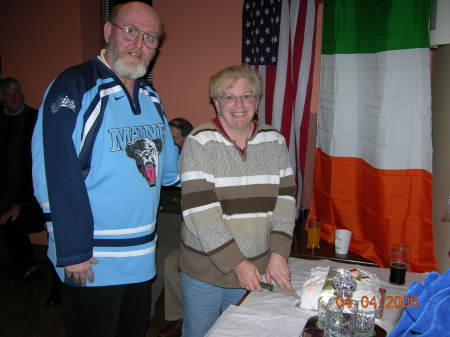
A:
x: 440, y: 85
x: 202, y: 37
x: 90, y: 28
x: 40, y: 38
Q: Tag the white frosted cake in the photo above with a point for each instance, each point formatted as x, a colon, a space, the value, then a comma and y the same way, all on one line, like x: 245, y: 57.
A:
x: 319, y: 283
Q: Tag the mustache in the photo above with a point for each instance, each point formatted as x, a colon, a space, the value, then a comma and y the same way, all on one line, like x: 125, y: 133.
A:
x: 135, y: 51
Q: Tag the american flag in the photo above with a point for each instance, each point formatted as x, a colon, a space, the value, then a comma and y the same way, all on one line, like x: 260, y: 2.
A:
x: 278, y: 38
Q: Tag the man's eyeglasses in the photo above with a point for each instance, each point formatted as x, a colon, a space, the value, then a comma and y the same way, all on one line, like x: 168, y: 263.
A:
x: 244, y: 99
x: 131, y: 33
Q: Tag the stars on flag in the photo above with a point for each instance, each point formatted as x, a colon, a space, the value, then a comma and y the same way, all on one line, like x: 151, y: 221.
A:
x: 260, y: 31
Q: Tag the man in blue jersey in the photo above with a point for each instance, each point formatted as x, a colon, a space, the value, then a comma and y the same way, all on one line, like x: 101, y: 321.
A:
x: 102, y: 148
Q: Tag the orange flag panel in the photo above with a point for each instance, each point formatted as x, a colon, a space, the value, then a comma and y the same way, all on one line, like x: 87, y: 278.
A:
x: 380, y: 207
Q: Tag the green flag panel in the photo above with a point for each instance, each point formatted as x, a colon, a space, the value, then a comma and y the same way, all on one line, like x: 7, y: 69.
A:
x: 370, y: 26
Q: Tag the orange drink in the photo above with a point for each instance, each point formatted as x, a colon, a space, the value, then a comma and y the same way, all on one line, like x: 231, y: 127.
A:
x: 313, y: 237
x: 313, y: 228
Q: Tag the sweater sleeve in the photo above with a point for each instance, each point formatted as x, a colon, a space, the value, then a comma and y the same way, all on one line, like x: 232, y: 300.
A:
x: 202, y: 211
x: 283, y: 219
x: 69, y: 203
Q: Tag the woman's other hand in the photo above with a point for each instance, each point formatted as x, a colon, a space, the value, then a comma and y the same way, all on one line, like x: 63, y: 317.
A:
x: 278, y: 270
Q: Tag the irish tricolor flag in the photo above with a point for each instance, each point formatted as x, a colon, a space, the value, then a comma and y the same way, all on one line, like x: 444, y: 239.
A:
x: 374, y: 151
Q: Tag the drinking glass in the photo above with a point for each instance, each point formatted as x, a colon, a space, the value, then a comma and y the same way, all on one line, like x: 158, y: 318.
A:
x: 399, y: 260
x: 313, y: 233
x: 364, y: 319
x: 337, y: 322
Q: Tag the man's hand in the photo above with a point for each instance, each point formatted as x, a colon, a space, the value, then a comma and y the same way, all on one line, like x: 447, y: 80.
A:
x: 248, y: 275
x: 278, y: 269
x: 11, y: 214
x: 81, y: 271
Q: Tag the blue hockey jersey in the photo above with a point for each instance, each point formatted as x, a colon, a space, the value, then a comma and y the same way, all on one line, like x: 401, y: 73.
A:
x: 100, y: 157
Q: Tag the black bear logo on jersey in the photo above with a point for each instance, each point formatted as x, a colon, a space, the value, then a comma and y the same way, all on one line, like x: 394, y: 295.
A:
x: 145, y: 152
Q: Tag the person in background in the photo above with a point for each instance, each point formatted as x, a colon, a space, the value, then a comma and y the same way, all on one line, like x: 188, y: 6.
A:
x: 171, y: 195
x: 24, y: 215
x: 180, y: 129
x: 20, y: 213
x: 101, y: 151
x: 238, y: 203
x: 171, y: 202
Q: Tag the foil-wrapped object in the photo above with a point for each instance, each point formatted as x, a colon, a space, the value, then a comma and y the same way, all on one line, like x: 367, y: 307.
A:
x: 319, y: 283
x: 344, y: 284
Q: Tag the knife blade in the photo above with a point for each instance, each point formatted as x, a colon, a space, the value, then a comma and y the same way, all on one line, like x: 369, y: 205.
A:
x: 275, y: 289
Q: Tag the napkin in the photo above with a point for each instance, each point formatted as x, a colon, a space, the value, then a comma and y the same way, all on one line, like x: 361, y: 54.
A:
x: 245, y: 322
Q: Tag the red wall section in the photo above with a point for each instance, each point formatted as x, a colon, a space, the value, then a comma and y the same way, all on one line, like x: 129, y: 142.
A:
x: 41, y: 38
x: 202, y: 36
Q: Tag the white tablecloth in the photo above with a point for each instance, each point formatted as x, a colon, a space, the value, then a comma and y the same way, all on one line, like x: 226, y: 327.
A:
x: 273, y: 314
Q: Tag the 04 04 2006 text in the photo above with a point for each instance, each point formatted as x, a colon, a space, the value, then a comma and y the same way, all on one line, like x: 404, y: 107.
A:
x: 390, y: 302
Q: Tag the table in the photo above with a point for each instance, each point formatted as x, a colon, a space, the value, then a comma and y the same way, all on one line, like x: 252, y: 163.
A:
x: 273, y: 314
x: 326, y: 251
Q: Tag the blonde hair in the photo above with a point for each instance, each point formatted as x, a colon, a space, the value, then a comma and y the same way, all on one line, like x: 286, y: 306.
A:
x: 229, y: 75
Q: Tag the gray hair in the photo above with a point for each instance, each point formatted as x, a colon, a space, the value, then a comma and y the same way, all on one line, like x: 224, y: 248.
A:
x: 8, y: 83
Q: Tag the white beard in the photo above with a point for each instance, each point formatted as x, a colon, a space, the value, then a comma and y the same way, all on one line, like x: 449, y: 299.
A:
x: 124, y: 70
x: 120, y: 66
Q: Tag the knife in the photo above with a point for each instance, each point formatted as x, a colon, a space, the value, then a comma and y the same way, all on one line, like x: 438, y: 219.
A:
x: 273, y: 289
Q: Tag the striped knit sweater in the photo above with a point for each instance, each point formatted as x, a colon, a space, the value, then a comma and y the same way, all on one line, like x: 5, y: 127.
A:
x: 235, y: 206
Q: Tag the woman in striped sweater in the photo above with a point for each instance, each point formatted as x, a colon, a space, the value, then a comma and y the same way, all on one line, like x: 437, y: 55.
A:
x: 238, y: 203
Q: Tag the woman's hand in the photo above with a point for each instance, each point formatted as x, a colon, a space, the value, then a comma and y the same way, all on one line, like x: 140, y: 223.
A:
x: 278, y: 269
x: 248, y: 275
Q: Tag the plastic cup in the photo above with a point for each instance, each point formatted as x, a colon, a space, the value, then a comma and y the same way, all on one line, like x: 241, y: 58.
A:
x: 342, y: 241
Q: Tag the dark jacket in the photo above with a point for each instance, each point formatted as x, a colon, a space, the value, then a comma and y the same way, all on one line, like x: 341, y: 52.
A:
x: 16, y: 184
